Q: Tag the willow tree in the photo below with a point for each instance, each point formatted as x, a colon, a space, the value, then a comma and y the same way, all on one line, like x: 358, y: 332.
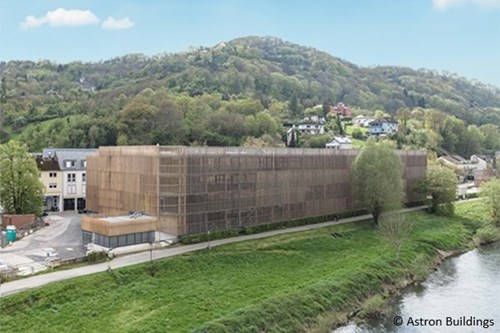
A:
x: 378, y: 178
x: 21, y: 191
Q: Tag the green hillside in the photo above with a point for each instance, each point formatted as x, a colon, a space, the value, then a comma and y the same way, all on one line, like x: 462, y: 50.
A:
x: 230, y: 94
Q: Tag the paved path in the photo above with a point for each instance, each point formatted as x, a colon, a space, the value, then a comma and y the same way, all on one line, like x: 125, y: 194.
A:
x: 17, y: 286
x: 63, y: 236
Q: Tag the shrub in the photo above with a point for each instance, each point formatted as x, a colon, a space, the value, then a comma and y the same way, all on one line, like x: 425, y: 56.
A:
x: 373, y: 307
x: 204, y: 237
x: 97, y: 256
x: 486, y: 234
x: 357, y: 134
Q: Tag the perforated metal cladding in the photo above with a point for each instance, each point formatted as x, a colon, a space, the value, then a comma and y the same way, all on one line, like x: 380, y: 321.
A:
x: 204, y: 189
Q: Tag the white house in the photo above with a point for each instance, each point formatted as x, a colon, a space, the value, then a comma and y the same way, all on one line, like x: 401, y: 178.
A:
x: 382, y: 126
x: 339, y: 142
x: 362, y: 121
x: 481, y: 162
x: 73, y: 164
x: 480, y: 171
x: 312, y: 125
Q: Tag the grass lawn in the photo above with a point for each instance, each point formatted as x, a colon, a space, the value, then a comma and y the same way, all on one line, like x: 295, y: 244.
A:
x: 357, y: 143
x: 281, y: 284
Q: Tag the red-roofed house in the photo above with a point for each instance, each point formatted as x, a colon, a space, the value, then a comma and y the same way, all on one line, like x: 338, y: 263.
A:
x: 341, y: 109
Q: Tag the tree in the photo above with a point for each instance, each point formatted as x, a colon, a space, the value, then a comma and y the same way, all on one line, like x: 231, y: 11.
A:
x: 490, y: 191
x: 377, y: 176
x: 339, y: 125
x: 136, y: 121
x: 491, y: 136
x: 440, y: 184
x: 395, y: 229
x: 3, y: 90
x: 325, y: 108
x: 21, y: 191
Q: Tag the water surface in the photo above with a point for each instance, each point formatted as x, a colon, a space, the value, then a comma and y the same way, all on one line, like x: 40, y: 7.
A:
x: 465, y: 289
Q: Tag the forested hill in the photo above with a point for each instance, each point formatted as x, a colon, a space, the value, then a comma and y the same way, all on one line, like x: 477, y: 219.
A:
x: 190, y: 97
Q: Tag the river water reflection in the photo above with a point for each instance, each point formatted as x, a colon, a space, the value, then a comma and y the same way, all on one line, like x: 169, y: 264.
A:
x: 465, y: 288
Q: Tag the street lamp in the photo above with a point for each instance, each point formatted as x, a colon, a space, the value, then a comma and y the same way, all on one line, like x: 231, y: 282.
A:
x: 151, y: 252
x: 208, y: 236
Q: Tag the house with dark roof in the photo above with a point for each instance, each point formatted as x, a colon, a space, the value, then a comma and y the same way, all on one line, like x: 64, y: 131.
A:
x: 52, y: 180
x: 73, y: 164
x: 382, y: 127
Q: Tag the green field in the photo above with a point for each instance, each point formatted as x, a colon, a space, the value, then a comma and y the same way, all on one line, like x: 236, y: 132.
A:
x: 278, y: 284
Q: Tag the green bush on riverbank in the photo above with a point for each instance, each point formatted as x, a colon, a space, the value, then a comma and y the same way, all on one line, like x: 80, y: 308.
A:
x: 281, y: 284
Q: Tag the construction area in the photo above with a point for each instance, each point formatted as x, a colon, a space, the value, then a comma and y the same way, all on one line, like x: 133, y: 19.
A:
x: 193, y: 190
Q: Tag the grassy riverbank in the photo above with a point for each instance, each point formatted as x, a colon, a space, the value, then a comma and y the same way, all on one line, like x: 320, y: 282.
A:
x: 285, y: 283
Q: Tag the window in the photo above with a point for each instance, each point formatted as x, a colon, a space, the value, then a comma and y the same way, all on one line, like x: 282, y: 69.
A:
x: 71, y: 177
x: 71, y: 189
x: 84, y: 163
x: 52, y: 185
x: 52, y: 174
x: 69, y: 164
x: 84, y: 177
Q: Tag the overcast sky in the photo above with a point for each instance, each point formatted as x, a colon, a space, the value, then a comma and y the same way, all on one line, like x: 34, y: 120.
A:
x: 459, y: 36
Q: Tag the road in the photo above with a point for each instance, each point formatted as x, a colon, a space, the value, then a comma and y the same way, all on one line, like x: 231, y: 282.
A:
x: 32, y: 282
x: 63, y: 236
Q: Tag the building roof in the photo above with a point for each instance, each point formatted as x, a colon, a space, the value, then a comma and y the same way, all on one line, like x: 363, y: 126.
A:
x: 377, y: 122
x: 342, y: 140
x: 482, y: 157
x: 69, y: 154
x: 47, y: 164
x: 313, y: 120
x: 455, y: 159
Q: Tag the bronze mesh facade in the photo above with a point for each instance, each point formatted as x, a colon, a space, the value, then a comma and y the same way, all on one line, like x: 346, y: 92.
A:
x: 197, y: 189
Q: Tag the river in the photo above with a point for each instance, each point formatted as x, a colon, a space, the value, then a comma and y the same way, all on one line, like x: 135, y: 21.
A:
x: 463, y: 295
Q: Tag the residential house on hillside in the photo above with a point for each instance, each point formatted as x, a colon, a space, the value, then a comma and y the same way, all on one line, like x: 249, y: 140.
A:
x: 341, y: 109
x: 362, y: 121
x: 463, y: 167
x: 454, y: 161
x: 312, y: 125
x: 339, y: 142
x: 73, y: 163
x: 52, y: 180
x: 483, y: 168
x: 382, y: 127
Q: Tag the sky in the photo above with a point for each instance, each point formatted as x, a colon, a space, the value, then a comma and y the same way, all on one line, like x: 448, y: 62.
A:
x: 457, y: 36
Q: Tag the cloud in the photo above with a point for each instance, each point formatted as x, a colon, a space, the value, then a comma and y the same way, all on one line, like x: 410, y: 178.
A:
x: 117, y: 24
x: 61, y: 17
x: 446, y: 4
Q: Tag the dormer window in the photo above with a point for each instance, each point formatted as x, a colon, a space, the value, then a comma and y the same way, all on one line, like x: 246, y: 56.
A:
x: 69, y: 163
x: 84, y: 163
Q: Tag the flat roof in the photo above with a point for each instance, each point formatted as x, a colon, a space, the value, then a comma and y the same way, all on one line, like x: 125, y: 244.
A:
x: 126, y: 218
